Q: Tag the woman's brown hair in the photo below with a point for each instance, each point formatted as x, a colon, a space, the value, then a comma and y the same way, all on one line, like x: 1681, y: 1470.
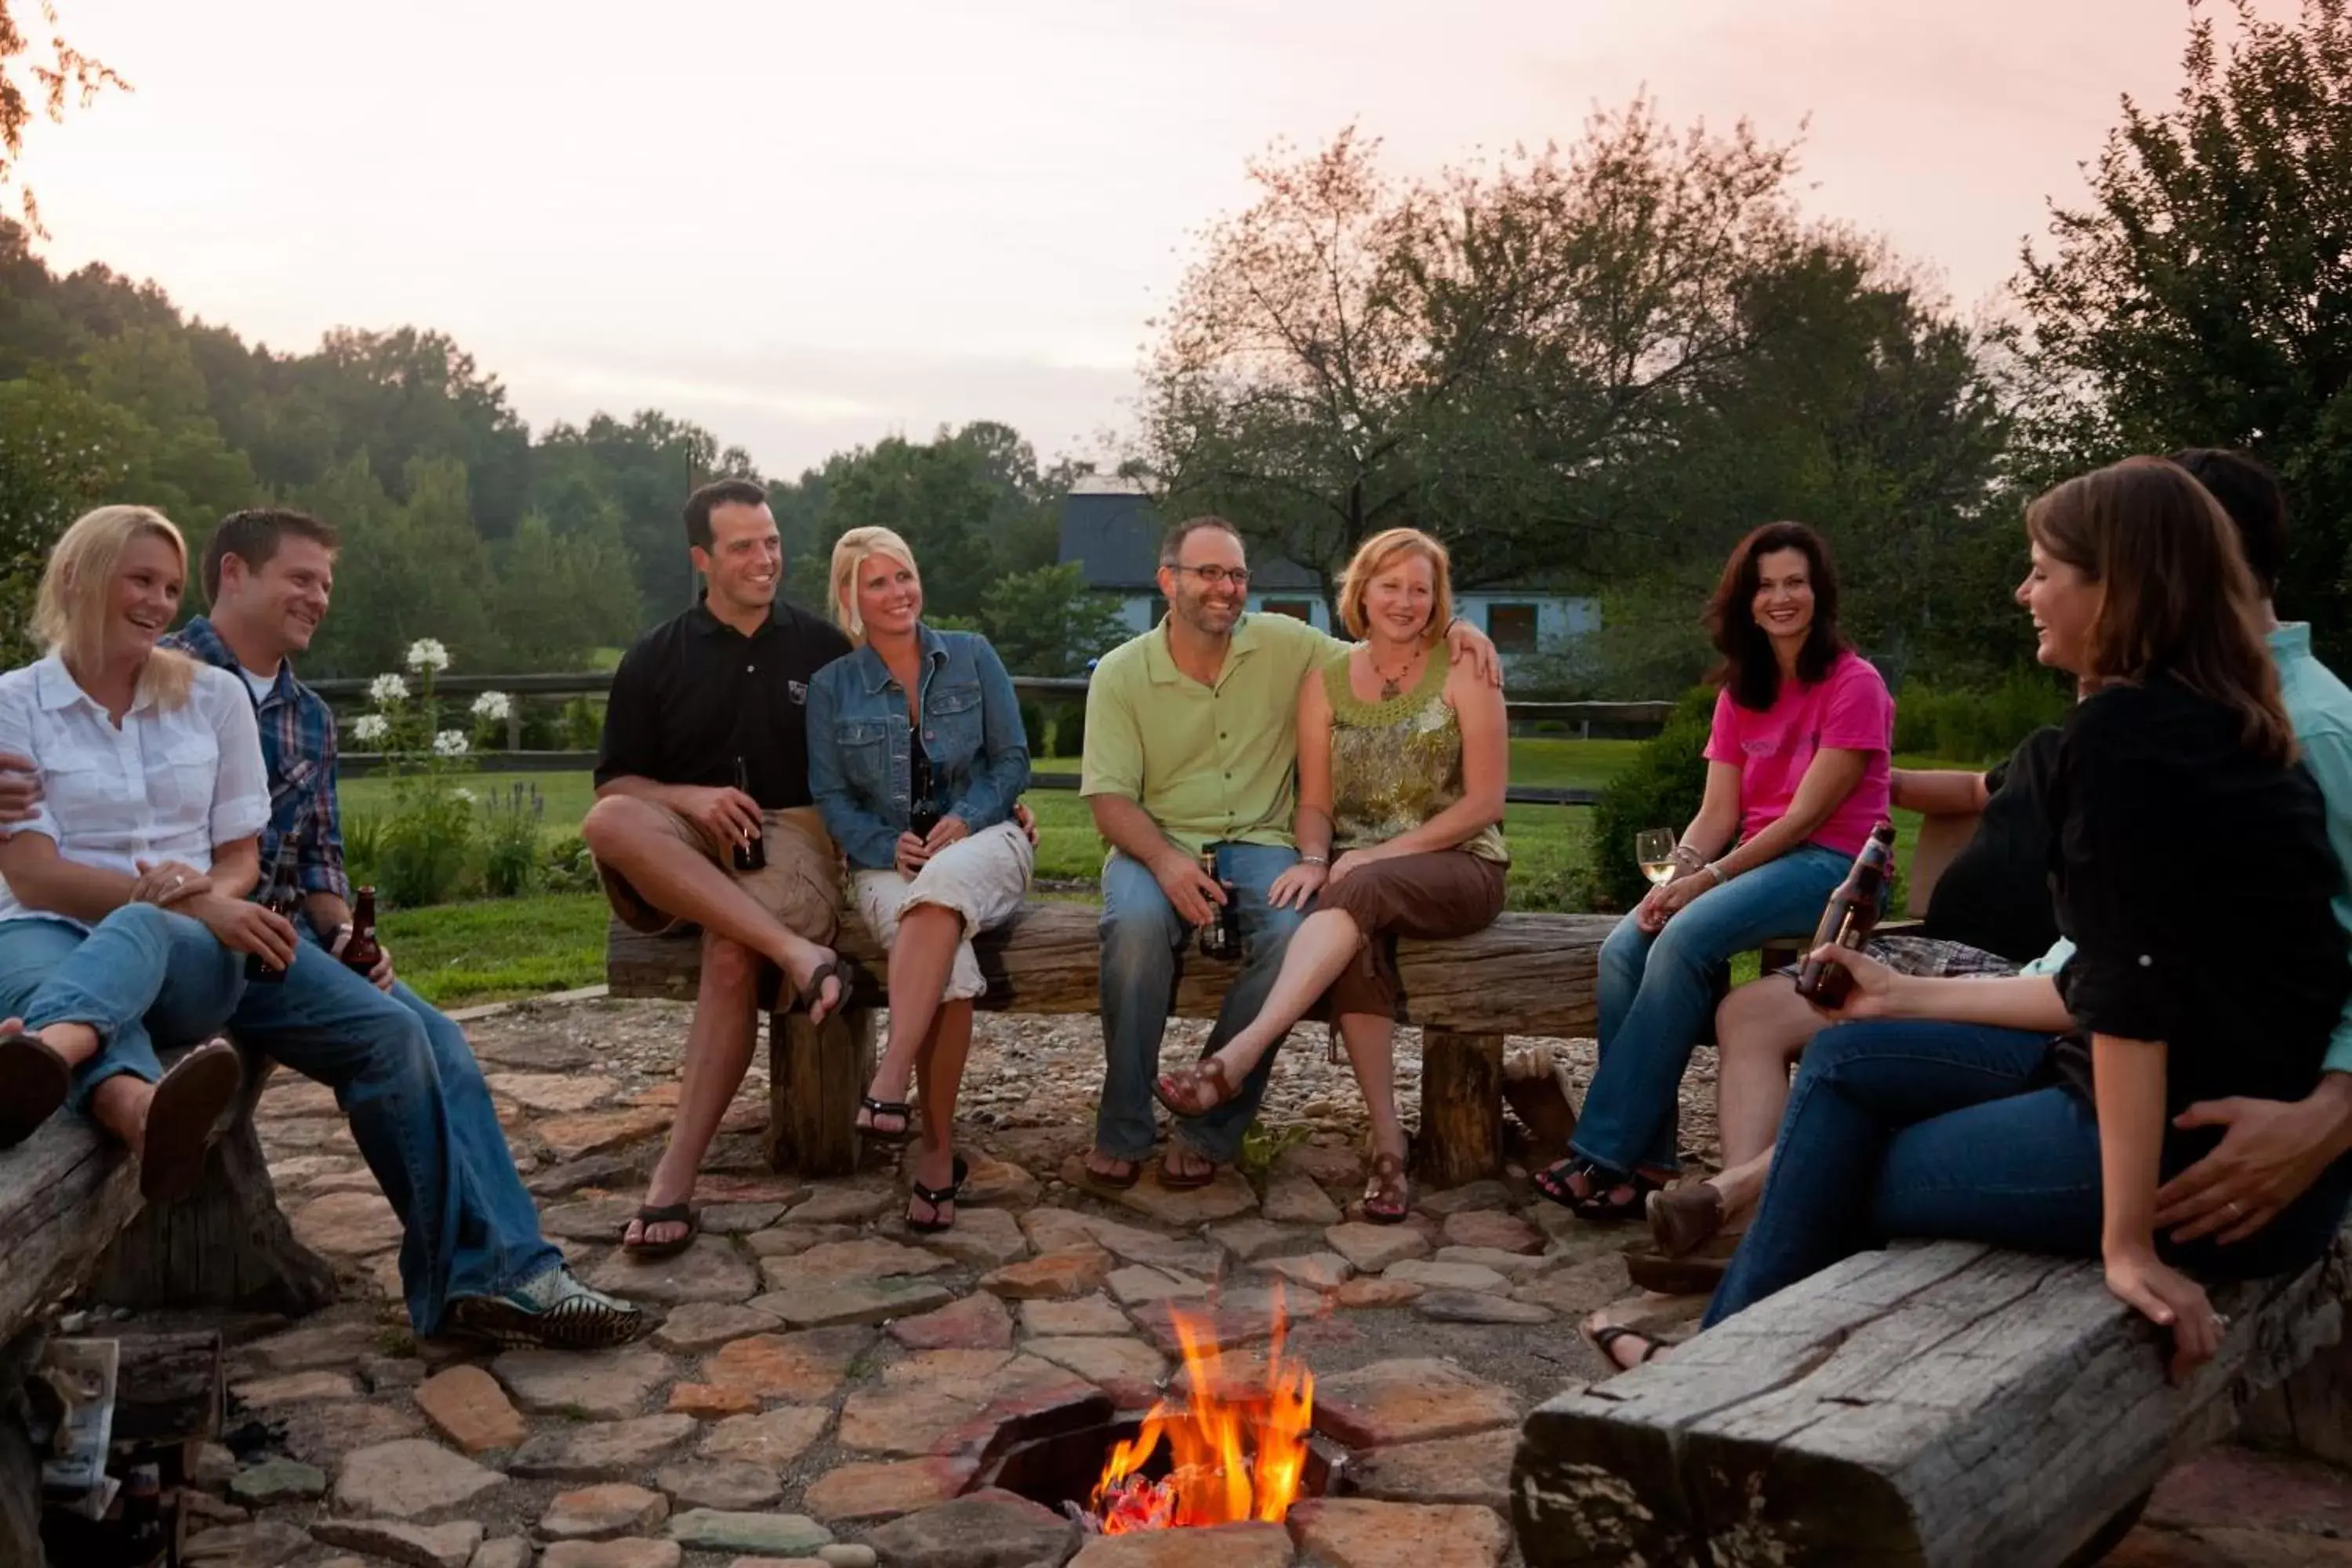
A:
x: 2179, y: 600
x: 1750, y: 670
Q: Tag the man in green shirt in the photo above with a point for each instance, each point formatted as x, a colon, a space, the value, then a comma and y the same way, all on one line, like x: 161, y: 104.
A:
x: 1193, y: 749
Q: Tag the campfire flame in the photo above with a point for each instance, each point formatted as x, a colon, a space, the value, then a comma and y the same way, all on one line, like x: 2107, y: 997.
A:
x: 1237, y: 1454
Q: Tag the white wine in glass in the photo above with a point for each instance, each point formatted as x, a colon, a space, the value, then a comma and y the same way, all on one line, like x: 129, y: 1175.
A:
x: 1654, y: 848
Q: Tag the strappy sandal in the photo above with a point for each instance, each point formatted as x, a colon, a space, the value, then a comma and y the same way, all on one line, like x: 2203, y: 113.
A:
x: 1180, y: 1091
x: 1595, y: 1204
x: 869, y: 1108
x: 34, y: 1082
x: 1388, y: 1196
x: 1684, y: 1219
x: 184, y: 1118
x: 938, y: 1198
x: 652, y: 1215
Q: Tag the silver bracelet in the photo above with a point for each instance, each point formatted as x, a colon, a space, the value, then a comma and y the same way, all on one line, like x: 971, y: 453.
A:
x: 1314, y: 860
x: 1715, y: 870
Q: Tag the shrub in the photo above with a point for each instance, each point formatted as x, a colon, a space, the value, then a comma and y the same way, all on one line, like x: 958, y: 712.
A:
x: 1033, y: 728
x: 1978, y: 726
x: 362, y: 848
x: 582, y: 729
x: 422, y: 848
x: 568, y: 866
x: 511, y: 826
x: 1070, y: 731
x: 1661, y: 789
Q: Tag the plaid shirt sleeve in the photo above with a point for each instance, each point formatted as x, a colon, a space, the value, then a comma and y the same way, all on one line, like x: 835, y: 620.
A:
x: 309, y: 807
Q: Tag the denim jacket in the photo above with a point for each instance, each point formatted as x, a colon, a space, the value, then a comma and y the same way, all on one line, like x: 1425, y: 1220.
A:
x: 859, y: 760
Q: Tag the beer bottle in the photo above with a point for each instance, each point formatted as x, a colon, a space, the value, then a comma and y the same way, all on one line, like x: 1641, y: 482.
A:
x: 751, y: 854
x: 1848, y: 921
x: 363, y: 951
x: 279, y: 897
x: 1222, y: 937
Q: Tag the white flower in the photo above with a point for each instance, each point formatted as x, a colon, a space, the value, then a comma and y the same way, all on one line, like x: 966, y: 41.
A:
x: 370, y: 728
x: 493, y: 706
x: 464, y: 796
x: 426, y: 654
x: 450, y: 743
x: 387, y: 689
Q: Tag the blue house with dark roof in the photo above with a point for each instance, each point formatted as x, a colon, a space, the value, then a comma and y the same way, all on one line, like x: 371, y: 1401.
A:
x: 1109, y: 528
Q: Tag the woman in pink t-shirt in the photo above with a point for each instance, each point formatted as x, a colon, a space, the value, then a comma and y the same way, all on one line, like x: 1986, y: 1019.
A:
x: 1796, y: 778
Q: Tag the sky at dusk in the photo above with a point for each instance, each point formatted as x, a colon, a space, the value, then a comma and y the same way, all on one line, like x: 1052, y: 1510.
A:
x: 809, y: 226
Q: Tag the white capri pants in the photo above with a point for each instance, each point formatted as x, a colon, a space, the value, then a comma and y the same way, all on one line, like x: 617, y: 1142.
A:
x: 983, y: 878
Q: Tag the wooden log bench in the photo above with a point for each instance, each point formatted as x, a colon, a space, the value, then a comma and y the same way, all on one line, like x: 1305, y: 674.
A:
x: 1940, y: 1404
x: 1524, y: 974
x: 1936, y: 1404
x: 71, y: 1220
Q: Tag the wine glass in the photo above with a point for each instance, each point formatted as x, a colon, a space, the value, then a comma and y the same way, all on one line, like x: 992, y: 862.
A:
x: 1654, y: 848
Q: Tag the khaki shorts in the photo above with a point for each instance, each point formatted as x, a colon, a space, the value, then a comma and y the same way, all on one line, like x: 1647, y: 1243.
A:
x: 800, y: 885
x: 982, y: 877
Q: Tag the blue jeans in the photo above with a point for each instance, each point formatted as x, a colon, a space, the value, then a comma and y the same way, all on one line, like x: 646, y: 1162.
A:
x: 1933, y: 1129
x: 1656, y: 990
x: 144, y: 979
x: 422, y: 1116
x: 1142, y: 940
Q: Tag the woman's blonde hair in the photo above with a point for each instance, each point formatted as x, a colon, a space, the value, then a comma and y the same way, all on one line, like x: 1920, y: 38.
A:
x: 1374, y: 557
x: 69, y: 615
x: 850, y: 552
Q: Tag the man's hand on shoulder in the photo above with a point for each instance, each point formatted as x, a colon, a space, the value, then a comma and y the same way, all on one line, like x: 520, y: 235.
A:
x: 1464, y: 641
x: 20, y: 790
x: 2271, y: 1152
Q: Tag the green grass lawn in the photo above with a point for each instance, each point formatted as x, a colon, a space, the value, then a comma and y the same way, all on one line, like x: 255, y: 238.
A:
x: 497, y: 949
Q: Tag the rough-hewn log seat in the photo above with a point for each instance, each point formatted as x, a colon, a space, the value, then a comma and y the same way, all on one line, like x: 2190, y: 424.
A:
x: 1526, y: 975
x: 1935, y: 1404
x: 71, y: 1219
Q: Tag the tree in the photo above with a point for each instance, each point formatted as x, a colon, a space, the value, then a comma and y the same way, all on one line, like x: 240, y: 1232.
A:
x: 1047, y: 622
x: 1490, y: 355
x: 61, y: 453
x: 2203, y: 296
x: 31, y: 84
x: 561, y: 595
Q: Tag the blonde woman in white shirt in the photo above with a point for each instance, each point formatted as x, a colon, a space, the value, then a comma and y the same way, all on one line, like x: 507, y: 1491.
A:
x: 124, y: 921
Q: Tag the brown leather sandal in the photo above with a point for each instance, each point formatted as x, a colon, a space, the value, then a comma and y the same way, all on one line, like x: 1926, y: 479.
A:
x: 1197, y: 1089
x: 1684, y: 1219
x: 1388, y: 1196
x: 183, y: 1119
x: 34, y: 1081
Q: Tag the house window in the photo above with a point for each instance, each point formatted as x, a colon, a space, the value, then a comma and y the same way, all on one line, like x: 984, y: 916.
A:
x: 1296, y: 609
x: 1512, y: 627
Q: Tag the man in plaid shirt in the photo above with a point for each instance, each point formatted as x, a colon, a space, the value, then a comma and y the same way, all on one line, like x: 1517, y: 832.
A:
x: 473, y: 1258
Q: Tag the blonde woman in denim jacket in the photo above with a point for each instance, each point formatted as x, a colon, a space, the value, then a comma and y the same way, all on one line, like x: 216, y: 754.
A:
x: 917, y: 757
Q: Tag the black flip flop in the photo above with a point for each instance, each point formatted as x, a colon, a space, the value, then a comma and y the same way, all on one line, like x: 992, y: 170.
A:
x: 838, y: 969
x: 184, y: 1117
x: 34, y: 1082
x: 937, y: 1197
x: 1608, y: 1334
x: 900, y: 1109
x: 651, y: 1215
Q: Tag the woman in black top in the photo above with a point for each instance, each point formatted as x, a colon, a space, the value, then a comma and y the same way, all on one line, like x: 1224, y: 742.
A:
x: 2193, y: 873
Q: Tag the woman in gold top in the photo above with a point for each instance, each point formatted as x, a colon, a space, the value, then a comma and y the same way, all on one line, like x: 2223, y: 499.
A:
x: 1402, y: 761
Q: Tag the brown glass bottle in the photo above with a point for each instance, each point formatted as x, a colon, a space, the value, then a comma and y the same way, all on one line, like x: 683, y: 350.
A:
x: 751, y: 854
x: 364, y: 953
x: 1847, y: 923
x: 278, y: 897
x: 1221, y: 937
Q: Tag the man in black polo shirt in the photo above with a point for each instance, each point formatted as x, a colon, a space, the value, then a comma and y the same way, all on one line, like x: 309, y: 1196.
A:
x: 716, y: 696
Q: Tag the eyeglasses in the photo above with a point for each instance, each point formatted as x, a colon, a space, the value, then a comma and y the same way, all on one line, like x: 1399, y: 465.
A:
x: 1218, y: 576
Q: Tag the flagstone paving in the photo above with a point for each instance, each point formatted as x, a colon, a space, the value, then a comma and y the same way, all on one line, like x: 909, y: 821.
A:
x: 821, y: 1381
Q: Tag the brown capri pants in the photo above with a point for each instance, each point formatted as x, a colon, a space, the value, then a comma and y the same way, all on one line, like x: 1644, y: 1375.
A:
x: 800, y: 885
x: 1437, y: 896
